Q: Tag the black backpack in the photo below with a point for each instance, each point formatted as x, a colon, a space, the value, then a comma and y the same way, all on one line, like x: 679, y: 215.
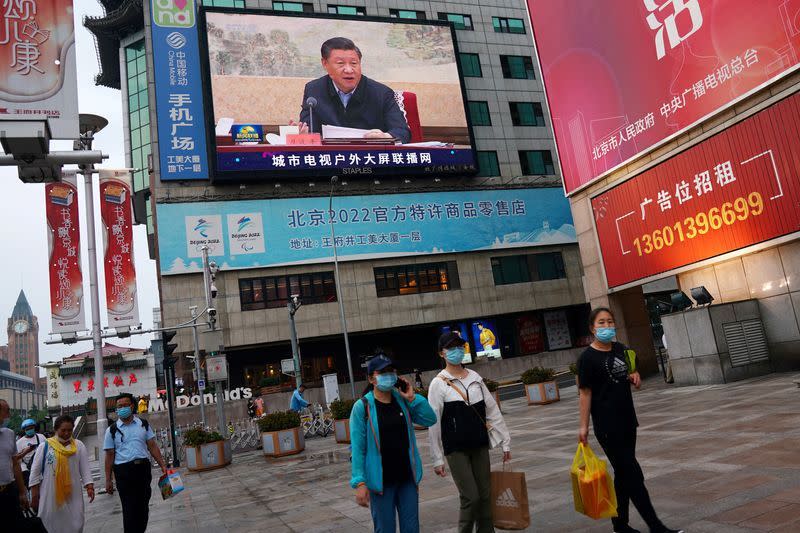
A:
x: 114, y: 430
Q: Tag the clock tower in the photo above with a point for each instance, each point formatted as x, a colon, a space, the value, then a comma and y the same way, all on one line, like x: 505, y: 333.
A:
x: 23, y: 339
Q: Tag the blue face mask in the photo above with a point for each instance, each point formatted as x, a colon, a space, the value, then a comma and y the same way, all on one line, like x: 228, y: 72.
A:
x: 605, y: 334
x: 385, y: 382
x: 124, y: 412
x: 30, y: 432
x: 455, y: 355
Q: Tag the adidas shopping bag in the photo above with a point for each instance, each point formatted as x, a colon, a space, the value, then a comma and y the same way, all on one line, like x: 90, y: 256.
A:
x: 510, y: 500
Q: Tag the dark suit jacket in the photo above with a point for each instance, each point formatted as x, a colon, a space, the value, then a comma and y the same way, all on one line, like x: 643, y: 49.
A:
x: 372, y: 106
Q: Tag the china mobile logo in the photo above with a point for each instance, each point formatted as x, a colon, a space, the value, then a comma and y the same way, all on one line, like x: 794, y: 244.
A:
x: 667, y: 15
x: 507, y: 499
x: 173, y: 13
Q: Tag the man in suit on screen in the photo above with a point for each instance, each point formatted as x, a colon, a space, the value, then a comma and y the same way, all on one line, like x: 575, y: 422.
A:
x: 347, y: 98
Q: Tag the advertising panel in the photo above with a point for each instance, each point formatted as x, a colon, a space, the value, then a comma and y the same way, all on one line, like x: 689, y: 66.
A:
x: 37, y: 64
x: 657, y: 68
x: 487, y: 343
x: 530, y: 334
x: 182, y: 151
x: 77, y: 389
x: 296, y: 230
x: 118, y: 263
x: 386, y: 98
x: 64, y: 246
x: 462, y: 330
x: 557, y: 327
x: 733, y: 190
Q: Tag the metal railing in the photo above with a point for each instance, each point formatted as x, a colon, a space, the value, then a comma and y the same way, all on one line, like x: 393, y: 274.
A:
x: 243, y: 435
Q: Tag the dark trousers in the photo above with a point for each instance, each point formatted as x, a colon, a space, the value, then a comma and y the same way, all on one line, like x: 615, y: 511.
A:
x: 620, y: 449
x: 133, y: 485
x: 9, y: 504
x: 471, y: 471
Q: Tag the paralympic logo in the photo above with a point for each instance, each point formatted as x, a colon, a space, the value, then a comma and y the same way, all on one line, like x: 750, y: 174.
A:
x: 244, y: 222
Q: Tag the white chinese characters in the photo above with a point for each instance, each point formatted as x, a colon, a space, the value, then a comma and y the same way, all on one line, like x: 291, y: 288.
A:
x: 671, y: 10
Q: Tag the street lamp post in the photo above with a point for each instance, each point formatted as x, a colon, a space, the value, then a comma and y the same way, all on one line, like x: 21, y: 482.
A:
x: 209, y: 271
x: 342, y: 317
x: 89, y: 125
x: 197, y: 363
x: 293, y: 305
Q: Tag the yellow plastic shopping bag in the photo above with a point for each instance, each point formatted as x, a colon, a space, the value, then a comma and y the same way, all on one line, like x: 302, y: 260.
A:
x: 592, y: 486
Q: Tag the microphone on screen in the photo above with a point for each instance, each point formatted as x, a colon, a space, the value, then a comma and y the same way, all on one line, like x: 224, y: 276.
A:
x: 311, y: 102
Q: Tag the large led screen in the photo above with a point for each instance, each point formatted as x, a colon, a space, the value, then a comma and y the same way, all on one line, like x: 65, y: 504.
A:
x: 299, y: 96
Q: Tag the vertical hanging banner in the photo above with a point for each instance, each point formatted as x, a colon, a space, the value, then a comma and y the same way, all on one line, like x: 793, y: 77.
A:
x: 179, y: 91
x: 64, y: 246
x: 37, y: 64
x: 119, y: 268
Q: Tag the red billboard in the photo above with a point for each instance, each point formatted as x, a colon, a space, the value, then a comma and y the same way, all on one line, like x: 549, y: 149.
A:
x: 64, y: 246
x: 733, y: 190
x: 624, y: 75
x: 120, y: 270
x: 530, y: 334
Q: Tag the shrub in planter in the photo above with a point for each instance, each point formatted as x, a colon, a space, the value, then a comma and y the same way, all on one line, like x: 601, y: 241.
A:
x: 206, y: 450
x: 340, y: 410
x: 573, y: 368
x: 540, y: 388
x: 281, y: 434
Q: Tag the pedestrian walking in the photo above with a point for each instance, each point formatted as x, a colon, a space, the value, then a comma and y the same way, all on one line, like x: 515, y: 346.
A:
x: 128, y: 443
x: 386, y: 467
x: 418, y: 384
x: 298, y: 403
x: 59, y: 470
x: 605, y: 376
x: 142, y: 407
x: 468, y: 423
x: 26, y: 447
x: 13, y: 492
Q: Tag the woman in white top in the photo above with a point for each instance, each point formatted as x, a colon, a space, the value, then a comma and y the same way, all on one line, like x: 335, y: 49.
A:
x: 466, y: 413
x: 59, y: 470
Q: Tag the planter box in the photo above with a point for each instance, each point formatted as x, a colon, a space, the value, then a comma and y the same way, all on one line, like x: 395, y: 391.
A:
x: 209, y: 456
x: 496, y: 395
x: 542, y: 393
x: 341, y: 430
x: 284, y: 442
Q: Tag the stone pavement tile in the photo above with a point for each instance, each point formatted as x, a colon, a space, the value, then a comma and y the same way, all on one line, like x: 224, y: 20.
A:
x: 749, y: 510
x: 769, y: 521
x: 789, y: 495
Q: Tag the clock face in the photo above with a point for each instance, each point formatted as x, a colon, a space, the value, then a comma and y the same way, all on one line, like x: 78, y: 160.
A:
x: 20, y: 327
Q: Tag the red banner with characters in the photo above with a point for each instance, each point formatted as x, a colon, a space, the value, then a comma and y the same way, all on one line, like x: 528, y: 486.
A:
x: 530, y: 334
x: 733, y: 190
x: 624, y: 75
x: 120, y: 270
x: 64, y: 245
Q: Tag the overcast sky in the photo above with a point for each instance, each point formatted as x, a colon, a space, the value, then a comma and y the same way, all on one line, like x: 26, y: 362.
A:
x: 23, y: 228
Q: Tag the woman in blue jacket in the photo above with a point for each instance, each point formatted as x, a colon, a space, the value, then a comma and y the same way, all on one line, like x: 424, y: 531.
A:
x: 386, y: 465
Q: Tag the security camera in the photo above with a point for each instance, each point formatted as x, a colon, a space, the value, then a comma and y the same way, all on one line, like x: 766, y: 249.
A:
x: 213, y: 268
x: 212, y: 312
x: 296, y: 299
x: 213, y: 291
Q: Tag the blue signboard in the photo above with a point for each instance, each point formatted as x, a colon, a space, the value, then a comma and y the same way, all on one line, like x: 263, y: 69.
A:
x: 179, y: 91
x: 262, y: 233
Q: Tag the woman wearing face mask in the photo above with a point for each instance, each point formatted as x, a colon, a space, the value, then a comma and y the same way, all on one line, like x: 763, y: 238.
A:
x: 59, y: 470
x: 465, y: 412
x: 26, y: 446
x: 386, y: 467
x: 605, y: 376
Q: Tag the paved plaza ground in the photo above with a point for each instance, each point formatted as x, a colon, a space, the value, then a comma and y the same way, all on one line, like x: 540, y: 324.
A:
x: 721, y: 458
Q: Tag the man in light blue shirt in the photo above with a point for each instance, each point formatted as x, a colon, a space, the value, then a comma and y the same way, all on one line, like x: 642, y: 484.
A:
x: 298, y: 403
x: 128, y: 443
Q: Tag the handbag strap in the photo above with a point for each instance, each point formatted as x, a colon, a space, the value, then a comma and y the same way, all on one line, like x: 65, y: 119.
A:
x: 464, y: 397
